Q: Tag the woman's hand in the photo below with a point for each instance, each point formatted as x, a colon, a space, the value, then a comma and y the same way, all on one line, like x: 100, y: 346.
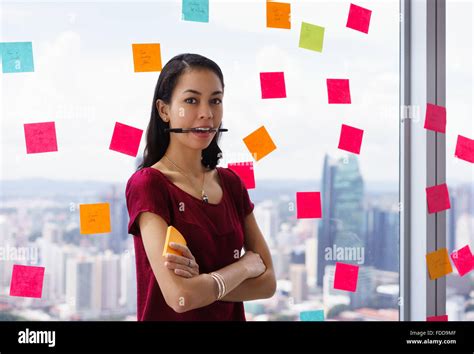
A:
x: 254, y: 264
x: 185, y: 265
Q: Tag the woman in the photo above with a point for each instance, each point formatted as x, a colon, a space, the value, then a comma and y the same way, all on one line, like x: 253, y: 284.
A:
x: 179, y: 184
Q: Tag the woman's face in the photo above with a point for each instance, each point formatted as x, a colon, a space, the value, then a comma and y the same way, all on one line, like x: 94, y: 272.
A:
x: 195, y: 102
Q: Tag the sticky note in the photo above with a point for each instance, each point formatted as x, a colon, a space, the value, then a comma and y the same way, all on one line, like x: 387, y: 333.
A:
x: 316, y: 316
x: 126, y: 139
x: 173, y: 235
x: 245, y: 172
x: 27, y: 281
x: 278, y: 15
x: 463, y: 260
x: 443, y: 318
x: 437, y: 198
x: 438, y: 263
x: 359, y: 18
x: 311, y: 37
x: 338, y: 91
x: 273, y: 85
x: 40, y: 137
x: 464, y: 149
x: 95, y: 218
x: 435, y: 118
x: 346, y: 277
x: 17, y: 57
x: 195, y: 10
x: 259, y: 143
x: 350, y: 139
x: 146, y: 57
x: 308, y: 205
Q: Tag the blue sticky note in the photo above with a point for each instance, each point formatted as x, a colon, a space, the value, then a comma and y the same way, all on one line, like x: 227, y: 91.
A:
x: 17, y: 57
x: 317, y: 315
x: 196, y: 10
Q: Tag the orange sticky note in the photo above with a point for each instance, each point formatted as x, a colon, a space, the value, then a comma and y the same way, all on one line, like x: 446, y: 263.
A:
x: 278, y: 15
x: 438, y: 263
x: 146, y: 57
x: 259, y: 143
x: 95, y: 218
x: 173, y: 235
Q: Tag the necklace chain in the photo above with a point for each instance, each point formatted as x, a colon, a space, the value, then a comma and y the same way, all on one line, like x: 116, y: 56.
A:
x: 203, y: 193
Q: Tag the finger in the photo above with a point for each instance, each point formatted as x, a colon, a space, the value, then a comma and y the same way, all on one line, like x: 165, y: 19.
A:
x: 183, y: 273
x: 174, y: 266
x: 183, y: 249
x: 178, y: 259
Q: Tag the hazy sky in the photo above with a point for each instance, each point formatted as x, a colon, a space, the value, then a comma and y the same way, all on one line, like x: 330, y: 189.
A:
x: 84, y: 81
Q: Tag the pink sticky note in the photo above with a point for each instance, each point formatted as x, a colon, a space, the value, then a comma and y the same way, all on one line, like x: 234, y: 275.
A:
x: 346, y: 277
x: 443, y: 318
x: 338, y: 91
x: 437, y: 198
x: 27, y: 281
x: 245, y: 172
x: 40, y: 137
x: 308, y: 205
x: 350, y: 139
x: 126, y: 139
x: 465, y: 149
x: 435, y: 118
x: 273, y: 85
x: 463, y: 260
x: 359, y: 18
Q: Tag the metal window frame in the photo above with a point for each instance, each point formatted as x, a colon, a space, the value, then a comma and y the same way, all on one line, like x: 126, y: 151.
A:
x: 422, y: 81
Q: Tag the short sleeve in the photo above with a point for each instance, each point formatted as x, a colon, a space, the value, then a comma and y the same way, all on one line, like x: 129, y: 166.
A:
x: 242, y: 194
x: 146, y: 191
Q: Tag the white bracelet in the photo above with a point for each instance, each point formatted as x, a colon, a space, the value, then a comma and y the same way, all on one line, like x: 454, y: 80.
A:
x: 222, y: 284
x: 219, y: 285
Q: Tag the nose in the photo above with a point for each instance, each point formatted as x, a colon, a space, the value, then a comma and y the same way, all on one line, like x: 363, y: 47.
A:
x: 205, y: 112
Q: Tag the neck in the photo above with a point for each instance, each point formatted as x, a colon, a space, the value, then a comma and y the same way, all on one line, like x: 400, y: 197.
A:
x: 188, y: 160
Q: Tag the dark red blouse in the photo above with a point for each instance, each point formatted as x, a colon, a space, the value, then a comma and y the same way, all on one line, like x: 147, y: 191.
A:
x: 213, y: 232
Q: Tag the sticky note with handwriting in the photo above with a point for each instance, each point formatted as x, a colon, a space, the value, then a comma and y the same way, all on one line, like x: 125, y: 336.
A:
x: 94, y: 218
x: 438, y: 263
x: 40, y: 137
x: 27, y: 281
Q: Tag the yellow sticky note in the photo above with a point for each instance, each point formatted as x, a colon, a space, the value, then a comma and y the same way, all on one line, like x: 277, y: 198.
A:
x: 438, y: 263
x: 95, y: 218
x: 173, y: 235
x: 278, y: 15
x: 146, y: 57
x: 259, y: 143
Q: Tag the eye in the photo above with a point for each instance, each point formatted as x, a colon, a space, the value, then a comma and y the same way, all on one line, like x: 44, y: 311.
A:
x: 217, y: 101
x: 189, y: 99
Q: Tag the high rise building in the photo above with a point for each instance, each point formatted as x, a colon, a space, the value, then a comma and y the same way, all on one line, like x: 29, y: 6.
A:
x: 342, y: 224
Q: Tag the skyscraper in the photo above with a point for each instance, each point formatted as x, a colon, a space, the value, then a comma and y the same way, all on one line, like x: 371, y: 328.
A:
x: 342, y: 192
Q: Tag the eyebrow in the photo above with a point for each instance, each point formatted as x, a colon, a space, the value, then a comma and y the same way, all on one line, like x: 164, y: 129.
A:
x: 198, y: 93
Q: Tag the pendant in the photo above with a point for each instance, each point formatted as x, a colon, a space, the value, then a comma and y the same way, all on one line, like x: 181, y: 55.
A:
x: 205, y: 199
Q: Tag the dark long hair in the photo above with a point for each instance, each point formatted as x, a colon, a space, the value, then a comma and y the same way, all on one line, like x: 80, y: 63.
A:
x: 157, y: 140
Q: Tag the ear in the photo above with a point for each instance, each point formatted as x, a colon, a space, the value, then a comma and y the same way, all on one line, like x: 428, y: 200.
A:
x: 163, y: 110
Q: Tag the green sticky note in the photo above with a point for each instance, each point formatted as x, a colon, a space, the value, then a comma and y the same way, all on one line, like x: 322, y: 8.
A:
x: 195, y: 10
x: 314, y: 316
x: 311, y: 37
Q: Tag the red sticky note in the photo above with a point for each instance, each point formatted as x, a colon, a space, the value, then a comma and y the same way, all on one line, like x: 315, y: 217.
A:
x: 465, y: 149
x: 338, y: 91
x: 273, y: 85
x: 27, y: 281
x: 443, y: 318
x: 437, y: 198
x: 359, y: 18
x: 245, y: 172
x: 40, y: 137
x: 346, y: 276
x: 126, y: 139
x: 350, y: 139
x: 463, y: 260
x: 308, y: 205
x: 435, y: 118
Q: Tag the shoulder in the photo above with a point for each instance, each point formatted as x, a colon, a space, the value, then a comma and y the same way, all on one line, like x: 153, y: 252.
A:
x: 144, y: 180
x: 231, y: 177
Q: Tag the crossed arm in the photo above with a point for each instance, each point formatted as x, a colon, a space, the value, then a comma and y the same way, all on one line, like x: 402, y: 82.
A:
x: 177, y: 281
